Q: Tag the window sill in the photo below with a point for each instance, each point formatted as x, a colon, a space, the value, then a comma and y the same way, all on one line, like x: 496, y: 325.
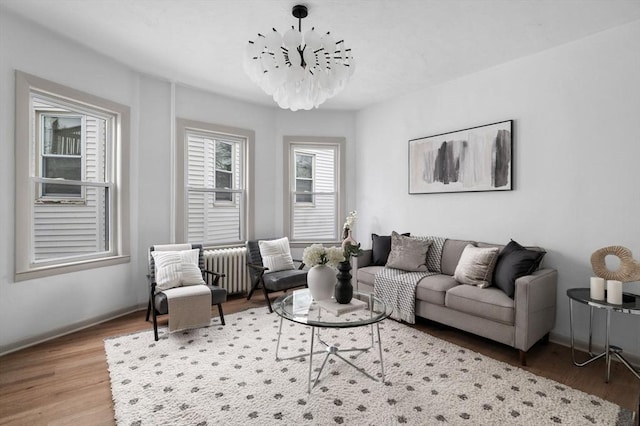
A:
x: 65, y: 268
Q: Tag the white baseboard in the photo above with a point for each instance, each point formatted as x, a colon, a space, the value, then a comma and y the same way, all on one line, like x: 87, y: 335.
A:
x: 54, y: 334
x: 583, y: 346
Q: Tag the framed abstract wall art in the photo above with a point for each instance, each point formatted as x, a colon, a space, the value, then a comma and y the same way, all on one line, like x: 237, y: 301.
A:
x: 469, y: 160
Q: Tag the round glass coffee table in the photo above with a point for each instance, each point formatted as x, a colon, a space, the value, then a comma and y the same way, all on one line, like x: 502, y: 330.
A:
x: 364, y: 310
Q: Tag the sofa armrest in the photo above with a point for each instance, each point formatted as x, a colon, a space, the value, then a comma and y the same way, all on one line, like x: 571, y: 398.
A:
x: 364, y: 259
x: 535, y: 307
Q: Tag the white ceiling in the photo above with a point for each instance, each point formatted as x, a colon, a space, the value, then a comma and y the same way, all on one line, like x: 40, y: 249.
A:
x: 399, y: 46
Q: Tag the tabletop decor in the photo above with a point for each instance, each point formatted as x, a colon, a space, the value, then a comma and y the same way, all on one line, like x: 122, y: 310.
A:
x: 350, y: 247
x: 321, y: 278
x: 597, y: 286
x: 628, y: 271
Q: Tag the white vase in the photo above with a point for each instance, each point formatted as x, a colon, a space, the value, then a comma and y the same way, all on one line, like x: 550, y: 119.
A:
x: 321, y: 280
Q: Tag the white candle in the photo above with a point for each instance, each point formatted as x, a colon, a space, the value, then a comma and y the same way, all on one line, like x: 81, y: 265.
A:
x: 597, y: 288
x: 614, y: 292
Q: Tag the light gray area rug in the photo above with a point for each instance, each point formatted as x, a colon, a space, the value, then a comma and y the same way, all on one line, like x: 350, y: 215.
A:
x: 227, y: 375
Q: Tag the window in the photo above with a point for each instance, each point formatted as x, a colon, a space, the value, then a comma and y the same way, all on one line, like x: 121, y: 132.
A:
x: 304, y: 176
x: 59, y: 141
x: 71, y: 177
x: 213, y: 195
x: 314, y: 191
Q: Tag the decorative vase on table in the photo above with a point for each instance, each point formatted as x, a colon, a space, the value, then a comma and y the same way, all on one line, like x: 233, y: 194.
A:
x: 344, y: 289
x: 321, y: 280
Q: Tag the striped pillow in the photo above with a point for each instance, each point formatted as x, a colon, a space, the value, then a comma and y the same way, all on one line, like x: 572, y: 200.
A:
x: 276, y: 255
x: 177, y: 268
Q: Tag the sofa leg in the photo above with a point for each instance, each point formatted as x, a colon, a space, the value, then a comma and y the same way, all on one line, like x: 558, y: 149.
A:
x: 523, y: 358
x: 545, y: 339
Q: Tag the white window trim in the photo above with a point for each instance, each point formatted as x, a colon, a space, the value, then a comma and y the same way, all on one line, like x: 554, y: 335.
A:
x: 184, y: 125
x: 340, y: 144
x: 27, y: 84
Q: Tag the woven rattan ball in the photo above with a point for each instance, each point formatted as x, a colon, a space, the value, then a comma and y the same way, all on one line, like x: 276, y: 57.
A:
x: 628, y: 271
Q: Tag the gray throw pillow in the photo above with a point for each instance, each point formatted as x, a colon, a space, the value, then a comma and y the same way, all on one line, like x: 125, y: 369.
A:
x: 408, y: 254
x: 475, y: 266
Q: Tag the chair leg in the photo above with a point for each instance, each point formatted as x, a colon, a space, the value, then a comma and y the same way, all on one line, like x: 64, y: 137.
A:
x: 266, y: 296
x: 221, y: 314
x: 148, y: 310
x: 155, y: 325
x: 253, y: 288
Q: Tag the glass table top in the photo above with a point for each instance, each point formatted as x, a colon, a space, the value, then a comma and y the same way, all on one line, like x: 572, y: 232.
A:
x: 630, y: 302
x: 299, y: 307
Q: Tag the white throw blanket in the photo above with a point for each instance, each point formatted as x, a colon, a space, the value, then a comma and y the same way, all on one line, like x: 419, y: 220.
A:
x: 398, y: 288
x: 189, y: 307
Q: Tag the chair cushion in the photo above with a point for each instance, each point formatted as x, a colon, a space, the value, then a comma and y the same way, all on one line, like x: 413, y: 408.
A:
x: 176, y: 268
x: 490, y: 303
x: 276, y: 255
x: 434, y: 288
x: 283, y: 280
x: 476, y: 266
x: 218, y: 295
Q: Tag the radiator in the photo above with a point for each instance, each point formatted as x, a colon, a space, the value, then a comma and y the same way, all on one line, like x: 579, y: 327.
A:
x: 233, y: 263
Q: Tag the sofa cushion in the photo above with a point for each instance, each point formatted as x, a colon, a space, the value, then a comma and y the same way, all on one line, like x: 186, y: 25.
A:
x: 367, y: 274
x: 408, y: 254
x: 433, y: 289
x: 514, y: 262
x: 476, y: 266
x: 490, y: 303
x: 380, y: 248
x: 451, y: 253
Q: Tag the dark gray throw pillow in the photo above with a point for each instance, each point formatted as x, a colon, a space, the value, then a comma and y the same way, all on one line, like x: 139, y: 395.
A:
x: 380, y: 248
x: 514, y: 262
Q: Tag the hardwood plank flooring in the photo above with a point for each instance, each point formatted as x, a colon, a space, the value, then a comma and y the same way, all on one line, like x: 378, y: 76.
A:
x: 66, y: 381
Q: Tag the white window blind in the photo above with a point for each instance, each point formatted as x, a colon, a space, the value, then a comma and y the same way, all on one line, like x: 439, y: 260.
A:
x: 215, y: 187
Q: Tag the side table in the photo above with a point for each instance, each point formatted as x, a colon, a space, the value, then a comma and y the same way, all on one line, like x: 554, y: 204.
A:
x: 630, y: 305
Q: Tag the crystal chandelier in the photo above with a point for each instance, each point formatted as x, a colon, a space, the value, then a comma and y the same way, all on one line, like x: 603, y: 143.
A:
x: 299, y: 72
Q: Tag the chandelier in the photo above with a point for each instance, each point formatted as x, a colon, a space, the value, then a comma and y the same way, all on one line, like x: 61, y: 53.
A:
x: 299, y: 72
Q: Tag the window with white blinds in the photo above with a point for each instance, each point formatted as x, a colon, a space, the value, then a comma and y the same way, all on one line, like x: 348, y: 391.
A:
x: 214, y: 200
x: 71, y: 179
x: 314, y: 188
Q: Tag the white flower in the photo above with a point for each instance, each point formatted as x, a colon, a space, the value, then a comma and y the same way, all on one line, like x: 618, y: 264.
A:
x: 351, y: 218
x: 316, y: 254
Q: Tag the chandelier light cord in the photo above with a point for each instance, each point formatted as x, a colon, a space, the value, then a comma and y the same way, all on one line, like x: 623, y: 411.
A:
x: 323, y: 69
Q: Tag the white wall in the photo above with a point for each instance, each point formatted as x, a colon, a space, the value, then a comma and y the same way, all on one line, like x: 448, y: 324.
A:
x: 576, y: 162
x: 41, y: 308
x: 29, y: 309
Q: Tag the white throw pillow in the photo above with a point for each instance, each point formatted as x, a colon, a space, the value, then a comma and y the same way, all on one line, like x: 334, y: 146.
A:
x: 476, y: 265
x: 177, y: 268
x: 276, y: 254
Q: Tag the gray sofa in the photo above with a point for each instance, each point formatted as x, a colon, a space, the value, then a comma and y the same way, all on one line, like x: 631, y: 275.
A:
x: 519, y: 322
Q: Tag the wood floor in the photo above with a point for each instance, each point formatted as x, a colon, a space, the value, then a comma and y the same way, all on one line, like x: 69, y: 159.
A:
x: 66, y: 381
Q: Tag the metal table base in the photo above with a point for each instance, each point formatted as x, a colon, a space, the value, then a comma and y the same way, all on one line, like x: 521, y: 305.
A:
x: 609, y: 350
x: 334, y: 350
